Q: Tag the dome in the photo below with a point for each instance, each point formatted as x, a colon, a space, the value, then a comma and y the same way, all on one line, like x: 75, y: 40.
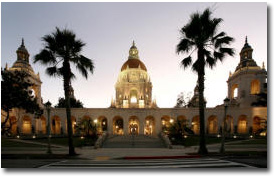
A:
x: 133, y: 60
x: 133, y: 63
x: 246, y: 45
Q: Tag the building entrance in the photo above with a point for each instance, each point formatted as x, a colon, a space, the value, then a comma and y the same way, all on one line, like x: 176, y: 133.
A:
x: 133, y: 129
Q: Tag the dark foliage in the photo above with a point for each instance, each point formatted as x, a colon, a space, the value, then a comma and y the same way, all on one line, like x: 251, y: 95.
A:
x: 73, y: 102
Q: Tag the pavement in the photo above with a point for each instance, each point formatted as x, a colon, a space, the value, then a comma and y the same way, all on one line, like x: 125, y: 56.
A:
x: 106, y: 154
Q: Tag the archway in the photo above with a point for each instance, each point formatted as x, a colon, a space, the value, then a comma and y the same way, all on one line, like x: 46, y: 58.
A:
x: 102, y: 122
x: 118, y: 125
x: 256, y: 124
x: 183, y: 121
x: 27, y: 125
x: 149, y: 128
x: 229, y: 124
x: 43, y: 125
x: 242, y: 124
x: 196, y: 124
x: 212, y: 125
x: 74, y: 124
x: 133, y: 125
x: 13, y: 123
x: 56, y: 125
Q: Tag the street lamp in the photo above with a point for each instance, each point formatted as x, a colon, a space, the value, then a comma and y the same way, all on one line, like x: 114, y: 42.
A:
x: 225, y: 103
x: 48, y: 107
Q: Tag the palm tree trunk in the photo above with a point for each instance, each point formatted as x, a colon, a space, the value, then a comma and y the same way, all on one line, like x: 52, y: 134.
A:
x: 68, y: 110
x: 201, y: 73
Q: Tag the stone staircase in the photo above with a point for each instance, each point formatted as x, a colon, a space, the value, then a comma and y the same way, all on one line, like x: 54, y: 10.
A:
x: 133, y: 141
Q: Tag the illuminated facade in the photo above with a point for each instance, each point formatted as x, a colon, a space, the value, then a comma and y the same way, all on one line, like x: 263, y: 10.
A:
x: 134, y: 112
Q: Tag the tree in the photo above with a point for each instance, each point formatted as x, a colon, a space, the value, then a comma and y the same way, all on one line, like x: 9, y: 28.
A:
x: 183, y: 100
x: 73, y: 102
x: 60, y: 51
x: 200, y: 35
x: 16, y: 93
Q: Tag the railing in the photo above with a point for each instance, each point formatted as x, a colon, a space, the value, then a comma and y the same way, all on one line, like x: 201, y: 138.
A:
x: 100, y: 140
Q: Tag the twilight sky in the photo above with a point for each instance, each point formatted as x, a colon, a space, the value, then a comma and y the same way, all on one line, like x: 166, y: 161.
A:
x: 108, y: 29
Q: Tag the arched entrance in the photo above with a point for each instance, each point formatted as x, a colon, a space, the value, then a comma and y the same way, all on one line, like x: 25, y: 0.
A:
x: 182, y: 120
x: 43, y: 125
x: 196, y: 124
x: 149, y: 128
x: 212, y: 125
x: 133, y: 125
x: 229, y: 124
x: 165, y: 123
x: 102, y: 122
x: 242, y: 124
x: 56, y: 125
x: 13, y: 124
x: 118, y: 125
x: 27, y: 125
x: 256, y: 124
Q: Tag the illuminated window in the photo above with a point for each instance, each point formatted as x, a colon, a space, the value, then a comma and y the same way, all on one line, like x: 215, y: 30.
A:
x: 255, y: 87
x: 141, y: 103
x: 234, y: 91
x: 133, y: 99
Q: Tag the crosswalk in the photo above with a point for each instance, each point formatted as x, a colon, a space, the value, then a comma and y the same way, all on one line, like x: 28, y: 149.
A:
x: 147, y: 164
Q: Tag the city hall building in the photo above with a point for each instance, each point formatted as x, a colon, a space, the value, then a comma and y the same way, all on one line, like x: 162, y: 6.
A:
x: 133, y: 111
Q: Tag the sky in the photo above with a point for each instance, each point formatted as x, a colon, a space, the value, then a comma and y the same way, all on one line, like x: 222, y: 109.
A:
x: 108, y: 30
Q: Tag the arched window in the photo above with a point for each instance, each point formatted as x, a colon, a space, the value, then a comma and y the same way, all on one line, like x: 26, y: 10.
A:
x: 234, y: 91
x: 255, y: 87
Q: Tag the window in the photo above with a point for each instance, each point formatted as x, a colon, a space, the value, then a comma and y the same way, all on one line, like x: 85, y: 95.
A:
x: 255, y: 87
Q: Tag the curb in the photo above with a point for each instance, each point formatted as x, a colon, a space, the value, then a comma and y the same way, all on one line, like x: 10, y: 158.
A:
x: 159, y: 157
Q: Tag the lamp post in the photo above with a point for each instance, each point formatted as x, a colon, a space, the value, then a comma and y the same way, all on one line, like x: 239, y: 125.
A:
x: 48, y: 107
x: 226, y: 102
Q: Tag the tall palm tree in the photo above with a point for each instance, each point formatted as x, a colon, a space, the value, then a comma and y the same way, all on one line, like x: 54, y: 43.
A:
x: 60, y: 51
x: 200, y: 35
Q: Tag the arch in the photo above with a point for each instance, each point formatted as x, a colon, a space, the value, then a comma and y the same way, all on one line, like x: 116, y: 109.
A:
x: 133, y: 96
x: 149, y: 128
x: 196, y: 124
x: 234, y: 91
x: 102, y: 122
x: 133, y: 125
x: 73, y: 120
x: 43, y: 125
x: 56, y: 125
x: 27, y: 125
x: 212, y: 125
x: 242, y: 124
x: 13, y: 123
x: 165, y: 123
x: 256, y: 124
x: 118, y: 125
x: 255, y: 87
x: 85, y: 118
x: 229, y: 124
x: 183, y: 120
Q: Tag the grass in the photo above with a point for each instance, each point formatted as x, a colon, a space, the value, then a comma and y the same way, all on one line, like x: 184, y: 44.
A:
x: 252, y: 141
x: 10, y: 143
x: 194, y: 140
x: 78, y: 142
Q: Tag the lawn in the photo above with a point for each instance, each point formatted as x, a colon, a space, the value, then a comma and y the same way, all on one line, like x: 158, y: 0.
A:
x: 78, y: 142
x: 10, y: 143
x: 262, y: 141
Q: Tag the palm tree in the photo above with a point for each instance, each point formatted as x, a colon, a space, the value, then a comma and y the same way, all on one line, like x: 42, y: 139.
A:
x: 60, y: 50
x: 200, y: 35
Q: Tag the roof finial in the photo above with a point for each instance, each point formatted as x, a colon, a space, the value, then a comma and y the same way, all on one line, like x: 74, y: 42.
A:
x: 134, y: 43
x: 22, y: 44
x: 245, y: 39
x: 263, y: 66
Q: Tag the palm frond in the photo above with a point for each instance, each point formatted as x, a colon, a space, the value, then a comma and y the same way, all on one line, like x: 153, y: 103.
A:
x: 219, y: 42
x: 52, y: 71
x: 229, y: 51
x: 186, y: 62
x: 185, y: 45
x: 45, y: 57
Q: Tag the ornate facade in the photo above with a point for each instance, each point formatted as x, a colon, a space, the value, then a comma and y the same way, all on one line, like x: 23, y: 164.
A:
x: 134, y: 111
